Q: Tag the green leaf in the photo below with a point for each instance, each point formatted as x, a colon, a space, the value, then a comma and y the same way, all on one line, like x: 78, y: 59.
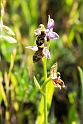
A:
x: 7, y: 49
x: 81, y: 79
x: 36, y: 83
x: 13, y: 80
x: 73, y: 115
x: 3, y: 94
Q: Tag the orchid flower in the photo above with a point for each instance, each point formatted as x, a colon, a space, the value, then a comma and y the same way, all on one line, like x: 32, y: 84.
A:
x: 55, y: 76
x: 39, y: 52
x: 48, y: 30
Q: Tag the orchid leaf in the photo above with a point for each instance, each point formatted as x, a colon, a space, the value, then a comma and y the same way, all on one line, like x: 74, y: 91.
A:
x: 36, y: 83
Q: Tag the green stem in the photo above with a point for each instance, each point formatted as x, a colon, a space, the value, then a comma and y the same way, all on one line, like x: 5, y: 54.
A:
x: 46, y: 81
x: 44, y: 90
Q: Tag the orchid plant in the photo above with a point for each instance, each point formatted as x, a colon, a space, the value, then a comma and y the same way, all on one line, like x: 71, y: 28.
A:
x: 41, y: 52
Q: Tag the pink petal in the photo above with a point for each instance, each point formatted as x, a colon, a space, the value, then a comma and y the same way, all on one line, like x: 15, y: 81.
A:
x: 50, y: 23
x: 46, y: 53
x: 53, y: 35
x: 34, y: 48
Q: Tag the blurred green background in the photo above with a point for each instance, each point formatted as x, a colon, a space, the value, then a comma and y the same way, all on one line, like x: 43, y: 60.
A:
x: 19, y: 99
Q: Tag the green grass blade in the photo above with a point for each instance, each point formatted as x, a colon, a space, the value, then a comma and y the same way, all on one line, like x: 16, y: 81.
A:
x: 81, y: 79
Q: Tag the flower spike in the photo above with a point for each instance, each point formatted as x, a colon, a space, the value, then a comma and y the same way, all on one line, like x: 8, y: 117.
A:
x: 43, y: 34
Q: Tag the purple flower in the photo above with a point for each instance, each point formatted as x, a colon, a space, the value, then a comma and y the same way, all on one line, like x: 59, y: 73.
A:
x: 48, y: 31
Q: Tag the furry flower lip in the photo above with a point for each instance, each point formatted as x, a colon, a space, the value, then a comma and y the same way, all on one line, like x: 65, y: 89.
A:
x: 39, y: 53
